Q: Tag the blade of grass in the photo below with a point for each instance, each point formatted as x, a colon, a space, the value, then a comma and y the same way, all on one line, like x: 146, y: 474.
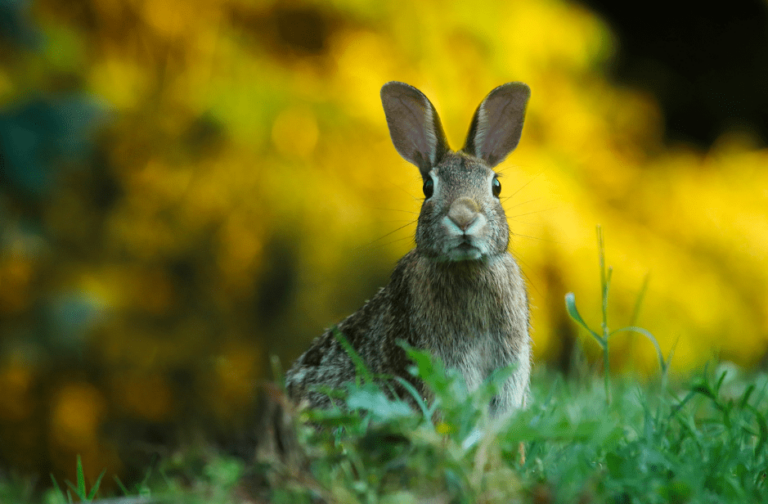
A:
x: 120, y: 485
x: 419, y: 400
x: 80, y: 478
x: 358, y: 361
x: 761, y: 422
x: 80, y: 496
x: 639, y: 330
x: 58, y: 488
x: 573, y: 312
x: 95, y: 487
x: 640, y: 299
x: 605, y: 280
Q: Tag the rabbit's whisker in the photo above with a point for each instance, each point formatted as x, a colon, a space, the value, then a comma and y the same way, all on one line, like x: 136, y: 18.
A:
x: 410, y: 223
x: 523, y: 271
x: 405, y: 238
x: 397, y: 210
x: 519, y: 204
x: 526, y: 184
x: 535, y: 238
x: 532, y: 213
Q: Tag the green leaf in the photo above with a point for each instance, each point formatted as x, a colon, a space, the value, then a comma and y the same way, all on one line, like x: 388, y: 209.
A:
x: 120, y: 485
x: 59, y: 493
x: 360, y: 367
x: 720, y: 381
x: 95, y: 487
x: 745, y: 397
x: 419, y: 400
x: 80, y: 478
x: 703, y: 389
x: 763, y: 425
x: 663, y: 364
x: 639, y: 302
x: 370, y: 398
x: 425, y: 364
x: 81, y: 496
x: 570, y: 307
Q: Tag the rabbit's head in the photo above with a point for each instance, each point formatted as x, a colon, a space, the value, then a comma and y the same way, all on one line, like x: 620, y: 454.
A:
x: 461, y: 218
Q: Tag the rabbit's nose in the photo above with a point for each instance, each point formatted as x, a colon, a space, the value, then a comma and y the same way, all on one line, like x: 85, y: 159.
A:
x: 463, y: 212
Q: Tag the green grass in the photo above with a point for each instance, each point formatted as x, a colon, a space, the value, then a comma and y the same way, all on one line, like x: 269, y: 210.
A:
x: 80, y: 491
x: 587, y: 439
x: 705, y: 442
x: 701, y: 441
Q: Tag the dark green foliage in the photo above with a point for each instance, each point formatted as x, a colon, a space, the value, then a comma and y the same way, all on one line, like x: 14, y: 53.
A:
x: 700, y: 442
x: 703, y: 440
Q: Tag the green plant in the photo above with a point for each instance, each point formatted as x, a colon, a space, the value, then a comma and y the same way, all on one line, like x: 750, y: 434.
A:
x: 80, y: 490
x: 704, y: 439
x: 602, y: 337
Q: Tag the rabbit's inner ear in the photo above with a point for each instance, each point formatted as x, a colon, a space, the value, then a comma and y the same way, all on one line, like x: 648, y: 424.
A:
x: 498, y: 123
x: 414, y: 125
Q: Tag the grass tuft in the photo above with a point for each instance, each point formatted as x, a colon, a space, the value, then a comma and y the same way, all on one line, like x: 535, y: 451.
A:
x: 602, y: 439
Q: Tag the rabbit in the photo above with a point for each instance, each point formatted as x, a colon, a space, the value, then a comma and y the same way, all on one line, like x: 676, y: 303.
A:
x: 459, y: 294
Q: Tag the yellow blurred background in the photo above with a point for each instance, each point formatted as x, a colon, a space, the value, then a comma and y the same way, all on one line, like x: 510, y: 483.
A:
x: 191, y: 187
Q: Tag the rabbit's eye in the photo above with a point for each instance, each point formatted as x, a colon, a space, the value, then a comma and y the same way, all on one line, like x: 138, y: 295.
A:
x: 429, y: 188
x: 496, y: 187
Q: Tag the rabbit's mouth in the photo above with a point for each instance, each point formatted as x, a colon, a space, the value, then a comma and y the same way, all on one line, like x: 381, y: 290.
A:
x: 464, y: 251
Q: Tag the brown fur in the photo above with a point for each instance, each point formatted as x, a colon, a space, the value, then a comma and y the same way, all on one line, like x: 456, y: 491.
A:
x: 459, y: 294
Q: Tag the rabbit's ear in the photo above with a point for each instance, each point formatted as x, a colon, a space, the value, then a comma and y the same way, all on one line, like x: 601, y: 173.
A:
x: 413, y: 125
x: 498, y: 123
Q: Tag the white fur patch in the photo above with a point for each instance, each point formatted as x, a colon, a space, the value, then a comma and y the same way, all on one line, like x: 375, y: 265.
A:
x: 436, y: 182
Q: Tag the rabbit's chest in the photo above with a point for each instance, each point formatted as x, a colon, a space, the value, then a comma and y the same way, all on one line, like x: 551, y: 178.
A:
x: 477, y: 358
x: 475, y: 319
